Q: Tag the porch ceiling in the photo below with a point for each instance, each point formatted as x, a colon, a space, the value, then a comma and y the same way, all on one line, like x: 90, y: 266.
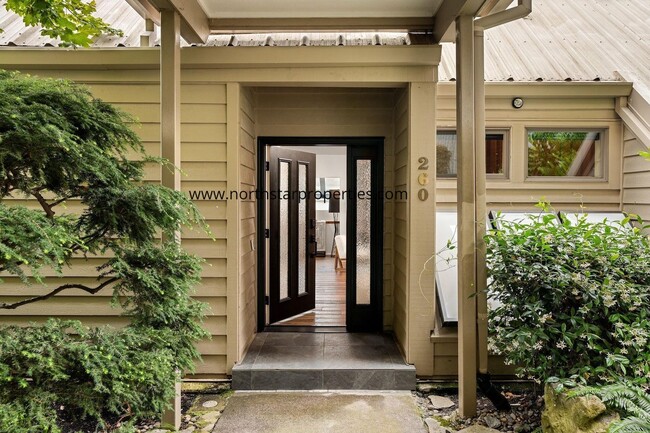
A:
x: 200, y: 18
x: 319, y: 8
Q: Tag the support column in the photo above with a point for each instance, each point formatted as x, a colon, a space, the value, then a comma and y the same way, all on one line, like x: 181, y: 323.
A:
x: 170, y: 96
x: 170, y: 134
x: 481, y: 206
x: 421, y: 217
x: 466, y: 200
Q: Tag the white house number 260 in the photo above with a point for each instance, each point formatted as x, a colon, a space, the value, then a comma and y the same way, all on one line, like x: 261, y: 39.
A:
x: 423, y: 178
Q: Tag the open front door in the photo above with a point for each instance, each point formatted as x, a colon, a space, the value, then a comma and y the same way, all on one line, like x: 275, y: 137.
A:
x: 292, y: 266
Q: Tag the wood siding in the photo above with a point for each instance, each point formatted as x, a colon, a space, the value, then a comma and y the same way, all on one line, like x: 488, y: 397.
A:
x: 247, y: 222
x: 636, y: 177
x: 203, y: 160
x: 336, y: 112
x: 518, y: 192
x: 401, y: 215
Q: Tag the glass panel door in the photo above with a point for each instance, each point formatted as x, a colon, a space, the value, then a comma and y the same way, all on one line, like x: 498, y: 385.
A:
x: 365, y: 238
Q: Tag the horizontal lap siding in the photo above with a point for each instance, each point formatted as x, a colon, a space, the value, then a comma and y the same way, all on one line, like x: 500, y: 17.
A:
x: 332, y: 112
x: 401, y: 217
x: 247, y: 211
x: 203, y: 162
x: 518, y: 193
x: 636, y: 177
x: 203, y: 144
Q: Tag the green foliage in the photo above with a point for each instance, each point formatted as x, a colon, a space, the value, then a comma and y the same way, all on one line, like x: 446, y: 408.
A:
x: 646, y: 155
x: 60, y: 146
x: 97, y: 372
x: 632, y: 402
x: 552, y: 153
x: 572, y: 299
x: 71, y: 21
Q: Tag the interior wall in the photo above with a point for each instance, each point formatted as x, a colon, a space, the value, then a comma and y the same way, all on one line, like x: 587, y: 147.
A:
x: 336, y: 112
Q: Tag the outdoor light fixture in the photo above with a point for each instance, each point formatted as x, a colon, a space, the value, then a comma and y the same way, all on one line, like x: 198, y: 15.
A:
x: 517, y: 102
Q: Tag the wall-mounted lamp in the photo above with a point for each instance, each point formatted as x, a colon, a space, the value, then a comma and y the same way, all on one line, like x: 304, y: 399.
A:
x: 517, y: 102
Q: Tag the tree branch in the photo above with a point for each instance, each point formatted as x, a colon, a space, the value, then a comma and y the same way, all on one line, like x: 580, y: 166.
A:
x: 90, y: 290
x: 61, y: 200
x: 46, y: 207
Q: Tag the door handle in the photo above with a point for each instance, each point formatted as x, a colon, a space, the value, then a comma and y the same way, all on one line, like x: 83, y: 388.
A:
x: 312, y: 241
x: 312, y: 223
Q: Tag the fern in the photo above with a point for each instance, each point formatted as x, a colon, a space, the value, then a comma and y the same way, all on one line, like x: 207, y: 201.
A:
x: 631, y: 401
x: 630, y: 425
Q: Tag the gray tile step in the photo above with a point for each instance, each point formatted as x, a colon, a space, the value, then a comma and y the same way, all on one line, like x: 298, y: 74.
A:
x: 305, y: 379
x: 309, y: 361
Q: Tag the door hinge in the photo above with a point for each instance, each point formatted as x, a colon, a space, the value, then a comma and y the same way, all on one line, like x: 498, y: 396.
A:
x: 267, y: 165
x: 267, y: 233
x: 267, y: 301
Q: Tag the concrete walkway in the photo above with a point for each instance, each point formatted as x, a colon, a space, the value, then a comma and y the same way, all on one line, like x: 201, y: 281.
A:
x: 321, y: 412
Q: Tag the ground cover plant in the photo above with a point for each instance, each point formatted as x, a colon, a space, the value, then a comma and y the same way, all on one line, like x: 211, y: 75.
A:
x: 72, y: 190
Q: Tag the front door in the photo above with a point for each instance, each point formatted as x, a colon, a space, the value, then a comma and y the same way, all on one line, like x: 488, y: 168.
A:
x: 292, y: 273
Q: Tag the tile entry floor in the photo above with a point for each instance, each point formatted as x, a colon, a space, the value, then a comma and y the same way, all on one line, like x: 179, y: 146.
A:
x: 293, y: 360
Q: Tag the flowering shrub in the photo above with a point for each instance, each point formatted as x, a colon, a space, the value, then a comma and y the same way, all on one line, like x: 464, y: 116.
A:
x: 573, y: 299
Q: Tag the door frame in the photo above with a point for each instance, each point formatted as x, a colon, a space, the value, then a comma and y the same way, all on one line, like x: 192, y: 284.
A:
x: 262, y: 144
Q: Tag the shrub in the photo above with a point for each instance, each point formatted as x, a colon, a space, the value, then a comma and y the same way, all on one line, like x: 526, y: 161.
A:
x: 572, y: 297
x: 59, y: 144
x: 99, y: 373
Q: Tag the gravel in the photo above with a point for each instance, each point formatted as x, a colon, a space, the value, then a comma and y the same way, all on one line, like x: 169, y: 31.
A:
x: 525, y: 416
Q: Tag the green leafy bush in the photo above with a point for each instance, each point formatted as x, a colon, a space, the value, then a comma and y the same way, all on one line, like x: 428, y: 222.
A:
x: 573, y: 299
x: 99, y: 373
x: 58, y: 144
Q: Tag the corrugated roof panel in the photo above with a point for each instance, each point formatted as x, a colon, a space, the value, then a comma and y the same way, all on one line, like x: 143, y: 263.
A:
x: 561, y: 40
x: 117, y: 13
x: 567, y: 40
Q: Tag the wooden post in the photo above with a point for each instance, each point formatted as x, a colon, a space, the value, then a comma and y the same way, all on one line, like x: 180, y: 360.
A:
x: 481, y: 206
x: 170, y: 134
x: 466, y: 201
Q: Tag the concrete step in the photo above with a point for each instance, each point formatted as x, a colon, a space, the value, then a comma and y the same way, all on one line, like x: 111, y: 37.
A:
x: 307, y: 361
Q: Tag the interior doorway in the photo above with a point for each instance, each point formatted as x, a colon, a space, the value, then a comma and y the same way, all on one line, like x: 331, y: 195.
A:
x: 320, y: 261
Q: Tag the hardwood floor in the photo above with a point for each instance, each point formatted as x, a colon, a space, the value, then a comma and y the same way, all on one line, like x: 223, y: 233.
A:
x: 330, y: 298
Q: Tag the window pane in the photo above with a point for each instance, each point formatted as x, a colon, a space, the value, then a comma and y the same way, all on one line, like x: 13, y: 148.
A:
x: 302, y: 230
x: 363, y: 233
x: 284, y: 230
x: 446, y: 153
x: 564, y: 153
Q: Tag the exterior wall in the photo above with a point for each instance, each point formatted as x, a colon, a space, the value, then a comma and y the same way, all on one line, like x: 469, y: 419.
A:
x: 636, y: 177
x: 247, y: 291
x: 401, y: 216
x: 332, y: 112
x: 221, y: 116
x: 563, y: 106
x: 544, y: 107
x: 203, y: 159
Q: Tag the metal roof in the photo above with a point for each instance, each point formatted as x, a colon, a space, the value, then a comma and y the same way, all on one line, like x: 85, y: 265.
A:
x: 117, y: 13
x: 567, y: 40
x: 562, y: 40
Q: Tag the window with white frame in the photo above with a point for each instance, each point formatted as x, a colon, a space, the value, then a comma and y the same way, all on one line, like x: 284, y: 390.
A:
x: 496, y: 153
x: 565, y: 153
